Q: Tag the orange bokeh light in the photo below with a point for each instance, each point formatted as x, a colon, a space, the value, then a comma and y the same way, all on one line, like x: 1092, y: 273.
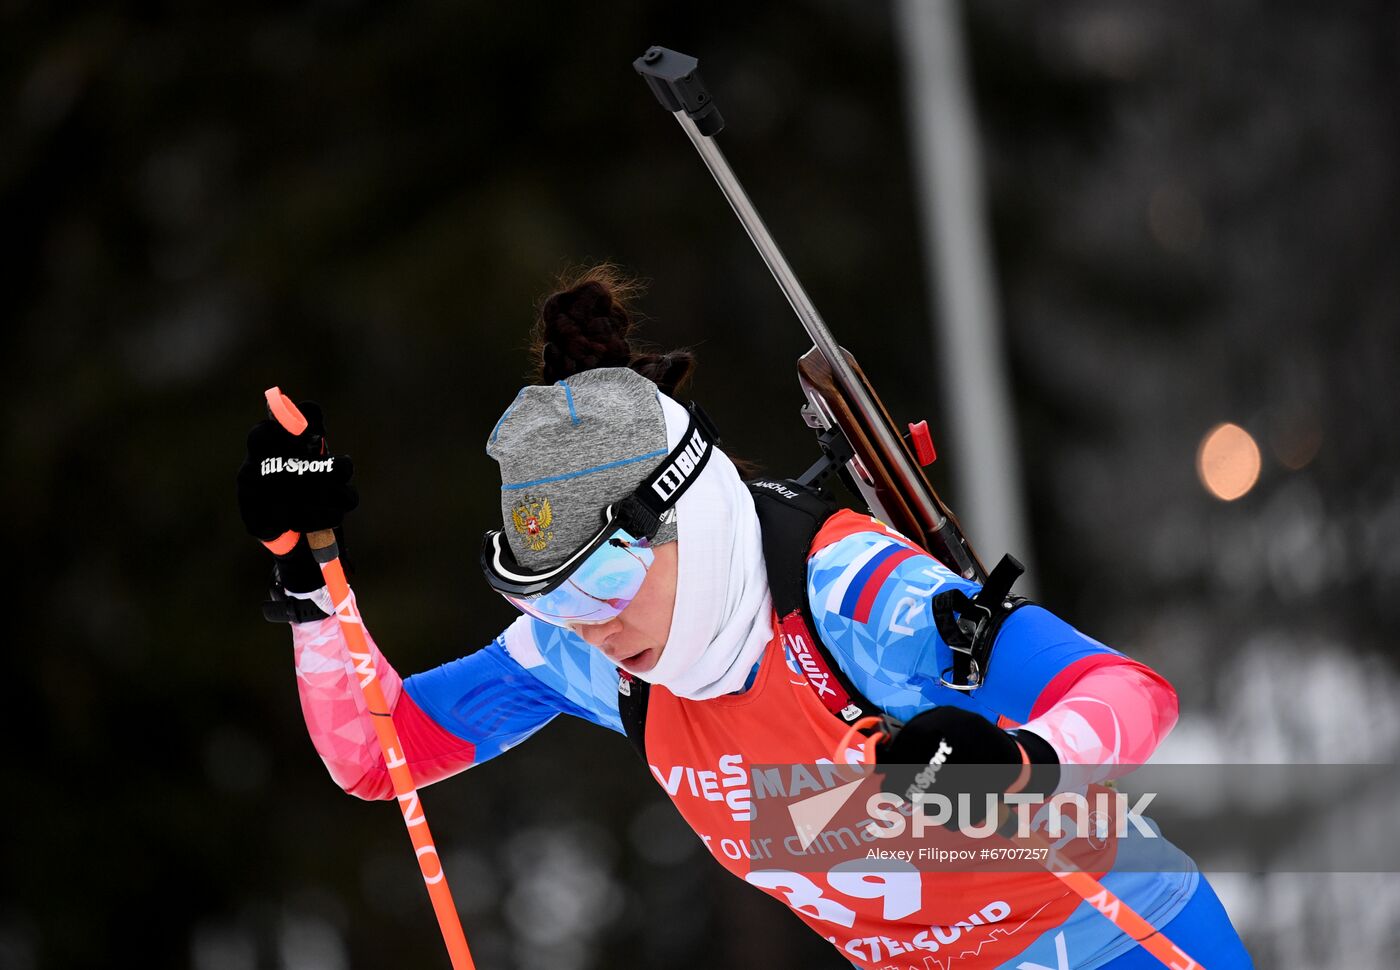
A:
x: 1228, y: 462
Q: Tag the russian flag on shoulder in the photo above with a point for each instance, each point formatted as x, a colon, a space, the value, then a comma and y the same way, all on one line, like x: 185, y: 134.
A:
x: 854, y: 593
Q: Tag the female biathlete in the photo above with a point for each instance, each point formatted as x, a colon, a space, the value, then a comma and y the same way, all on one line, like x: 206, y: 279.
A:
x: 635, y: 554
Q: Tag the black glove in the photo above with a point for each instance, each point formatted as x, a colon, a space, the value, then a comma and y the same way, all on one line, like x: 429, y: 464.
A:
x: 952, y: 751
x: 290, y: 485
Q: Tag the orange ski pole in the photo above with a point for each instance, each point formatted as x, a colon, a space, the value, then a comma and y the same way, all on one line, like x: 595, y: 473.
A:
x: 1107, y: 904
x: 323, y: 547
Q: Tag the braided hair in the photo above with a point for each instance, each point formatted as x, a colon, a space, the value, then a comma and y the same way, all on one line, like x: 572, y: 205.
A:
x: 587, y: 322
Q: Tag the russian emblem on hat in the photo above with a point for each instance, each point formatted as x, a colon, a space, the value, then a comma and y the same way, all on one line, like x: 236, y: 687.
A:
x: 533, y: 520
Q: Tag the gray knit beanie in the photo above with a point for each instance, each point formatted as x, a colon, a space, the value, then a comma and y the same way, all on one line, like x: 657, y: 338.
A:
x: 569, y: 450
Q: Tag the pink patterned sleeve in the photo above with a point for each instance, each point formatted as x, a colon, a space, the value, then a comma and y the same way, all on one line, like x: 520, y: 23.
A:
x: 1112, y: 715
x: 340, y: 726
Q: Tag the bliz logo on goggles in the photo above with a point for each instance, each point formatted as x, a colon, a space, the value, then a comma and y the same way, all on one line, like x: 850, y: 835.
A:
x: 296, y: 466
x: 673, y: 477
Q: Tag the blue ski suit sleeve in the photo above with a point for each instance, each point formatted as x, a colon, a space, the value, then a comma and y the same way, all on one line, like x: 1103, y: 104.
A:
x: 871, y: 595
x: 505, y: 692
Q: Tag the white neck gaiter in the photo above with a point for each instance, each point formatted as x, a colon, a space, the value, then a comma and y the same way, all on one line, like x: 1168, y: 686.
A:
x: 723, y: 615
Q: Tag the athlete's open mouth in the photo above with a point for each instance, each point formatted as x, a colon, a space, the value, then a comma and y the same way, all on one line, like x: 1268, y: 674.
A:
x: 639, y: 662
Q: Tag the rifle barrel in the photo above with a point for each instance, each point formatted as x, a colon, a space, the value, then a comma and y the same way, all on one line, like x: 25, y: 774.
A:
x: 811, y: 320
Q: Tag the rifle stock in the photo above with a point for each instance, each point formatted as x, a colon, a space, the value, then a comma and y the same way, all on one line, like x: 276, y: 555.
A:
x: 891, y: 483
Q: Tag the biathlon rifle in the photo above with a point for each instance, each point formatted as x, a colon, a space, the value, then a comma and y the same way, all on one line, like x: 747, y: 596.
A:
x: 858, y: 437
x: 856, y: 434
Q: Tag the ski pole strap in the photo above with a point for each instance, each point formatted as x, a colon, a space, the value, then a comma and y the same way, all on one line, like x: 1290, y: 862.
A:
x: 281, y: 608
x: 969, y: 625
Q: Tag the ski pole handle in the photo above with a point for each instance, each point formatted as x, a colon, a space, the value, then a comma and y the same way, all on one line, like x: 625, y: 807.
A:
x: 327, y: 555
x: 289, y: 416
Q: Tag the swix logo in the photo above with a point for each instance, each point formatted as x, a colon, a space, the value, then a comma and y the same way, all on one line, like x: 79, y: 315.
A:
x: 820, y: 679
x: 296, y: 466
x: 797, y: 640
x: 682, y: 468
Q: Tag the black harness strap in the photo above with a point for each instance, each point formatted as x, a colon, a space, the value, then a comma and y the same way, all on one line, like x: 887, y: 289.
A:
x: 790, y: 515
x: 632, y: 696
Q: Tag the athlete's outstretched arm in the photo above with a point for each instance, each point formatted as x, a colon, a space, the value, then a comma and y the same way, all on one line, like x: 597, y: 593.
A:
x: 340, y: 726
x: 449, y: 718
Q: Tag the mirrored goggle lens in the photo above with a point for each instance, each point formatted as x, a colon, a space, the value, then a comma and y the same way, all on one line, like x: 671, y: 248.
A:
x: 599, y: 589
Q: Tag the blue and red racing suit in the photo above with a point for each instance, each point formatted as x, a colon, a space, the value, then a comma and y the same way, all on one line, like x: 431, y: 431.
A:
x: 869, y: 592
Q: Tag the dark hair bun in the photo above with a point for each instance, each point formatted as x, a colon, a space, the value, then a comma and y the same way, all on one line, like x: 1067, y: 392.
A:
x: 583, y: 328
x: 587, y: 323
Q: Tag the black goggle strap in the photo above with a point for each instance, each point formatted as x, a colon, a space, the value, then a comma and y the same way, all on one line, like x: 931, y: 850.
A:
x: 642, y: 512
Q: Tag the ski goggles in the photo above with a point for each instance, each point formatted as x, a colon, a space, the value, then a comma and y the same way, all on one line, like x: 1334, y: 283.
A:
x: 601, y: 578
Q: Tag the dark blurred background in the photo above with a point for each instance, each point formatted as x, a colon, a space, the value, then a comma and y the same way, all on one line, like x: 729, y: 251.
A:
x: 1192, y: 213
